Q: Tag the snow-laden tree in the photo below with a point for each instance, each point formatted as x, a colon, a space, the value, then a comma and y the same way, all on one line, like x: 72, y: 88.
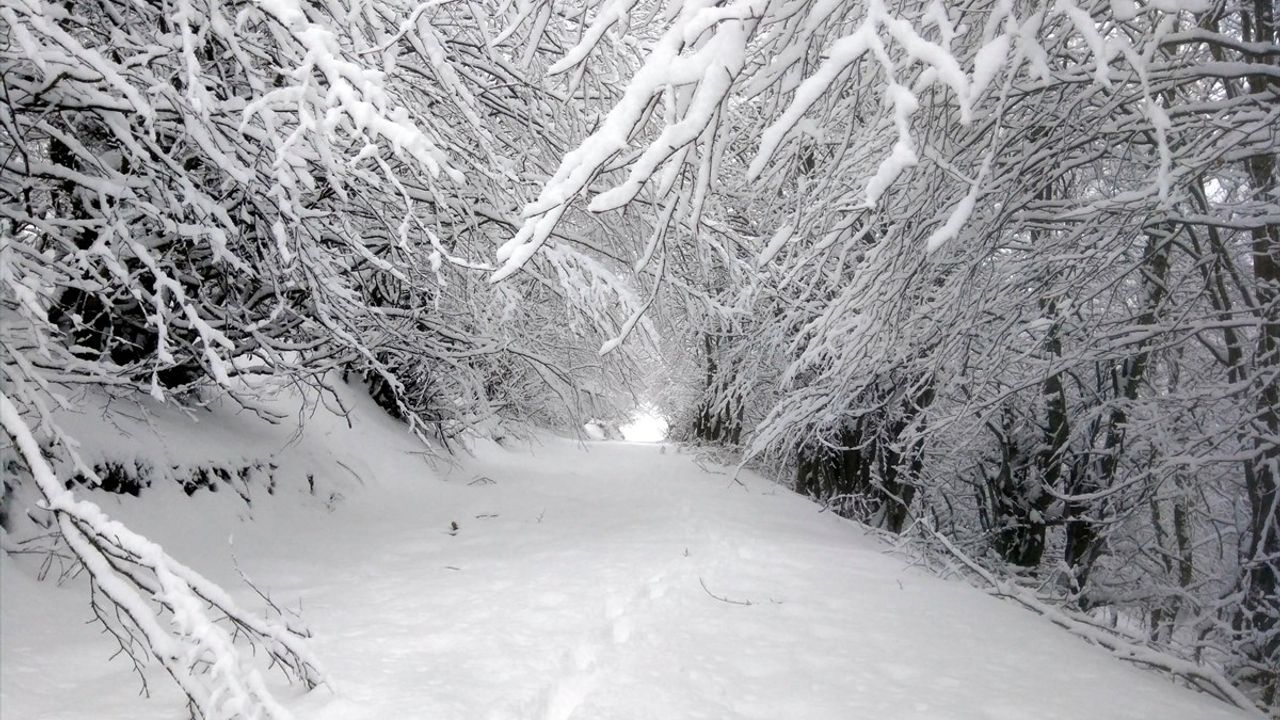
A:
x: 203, y: 195
x: 1009, y: 266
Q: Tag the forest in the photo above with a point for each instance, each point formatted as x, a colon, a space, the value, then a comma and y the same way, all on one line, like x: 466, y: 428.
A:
x: 999, y: 279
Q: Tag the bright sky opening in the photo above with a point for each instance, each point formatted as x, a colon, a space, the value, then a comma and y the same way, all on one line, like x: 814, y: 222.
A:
x: 645, y: 426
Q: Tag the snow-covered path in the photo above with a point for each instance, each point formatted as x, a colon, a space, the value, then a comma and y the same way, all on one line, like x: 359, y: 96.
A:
x: 584, y: 597
x: 579, y: 584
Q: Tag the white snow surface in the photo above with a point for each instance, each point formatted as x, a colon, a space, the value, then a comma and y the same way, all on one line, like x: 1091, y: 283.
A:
x: 578, y: 585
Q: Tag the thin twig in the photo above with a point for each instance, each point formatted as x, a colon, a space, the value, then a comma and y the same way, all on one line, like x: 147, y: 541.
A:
x: 721, y: 598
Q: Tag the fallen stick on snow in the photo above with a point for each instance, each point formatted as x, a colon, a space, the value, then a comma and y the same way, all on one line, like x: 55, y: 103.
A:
x: 722, y: 598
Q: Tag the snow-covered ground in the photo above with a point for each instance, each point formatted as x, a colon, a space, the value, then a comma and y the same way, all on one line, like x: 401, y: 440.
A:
x: 605, y: 580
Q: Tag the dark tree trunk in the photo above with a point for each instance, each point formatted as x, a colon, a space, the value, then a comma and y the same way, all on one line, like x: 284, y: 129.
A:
x: 1259, y: 618
x: 719, y: 418
x: 1262, y: 602
x: 872, y: 476
x: 1015, y: 501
